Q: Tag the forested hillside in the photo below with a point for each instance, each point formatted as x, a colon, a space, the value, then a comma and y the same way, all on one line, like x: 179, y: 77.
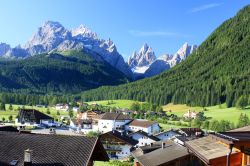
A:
x: 218, y: 72
x: 56, y: 73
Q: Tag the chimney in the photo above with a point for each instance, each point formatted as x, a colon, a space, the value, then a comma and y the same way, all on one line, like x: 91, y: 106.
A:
x: 163, y: 145
x: 28, y: 157
x: 52, y: 131
x: 21, y: 128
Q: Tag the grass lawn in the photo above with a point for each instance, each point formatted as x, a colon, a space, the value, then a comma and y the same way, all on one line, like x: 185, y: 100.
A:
x: 14, y: 112
x: 179, y: 109
x: 115, y: 103
x: 218, y: 112
x: 170, y: 126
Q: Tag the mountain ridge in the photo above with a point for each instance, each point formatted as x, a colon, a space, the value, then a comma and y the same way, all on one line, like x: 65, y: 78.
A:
x: 217, y: 72
x: 53, y: 36
x: 146, y: 64
x: 57, y: 72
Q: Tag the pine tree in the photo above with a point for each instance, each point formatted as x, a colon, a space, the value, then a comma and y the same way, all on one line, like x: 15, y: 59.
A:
x: 242, y: 102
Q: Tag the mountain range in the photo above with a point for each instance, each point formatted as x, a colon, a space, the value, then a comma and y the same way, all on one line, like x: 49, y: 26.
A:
x: 145, y: 64
x: 52, y: 36
x: 217, y: 72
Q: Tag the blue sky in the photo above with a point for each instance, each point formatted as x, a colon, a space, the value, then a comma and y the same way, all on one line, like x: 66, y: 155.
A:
x: 163, y: 24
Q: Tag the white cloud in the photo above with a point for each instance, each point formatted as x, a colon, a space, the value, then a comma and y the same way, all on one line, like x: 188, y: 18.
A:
x: 204, y: 7
x: 155, y: 34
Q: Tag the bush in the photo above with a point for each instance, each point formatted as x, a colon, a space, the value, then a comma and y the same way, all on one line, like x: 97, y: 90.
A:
x: 92, y: 134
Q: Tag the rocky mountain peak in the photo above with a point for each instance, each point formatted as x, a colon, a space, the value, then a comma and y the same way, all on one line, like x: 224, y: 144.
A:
x: 53, y: 36
x: 84, y: 31
x: 48, y: 36
x: 185, y: 50
x: 144, y: 57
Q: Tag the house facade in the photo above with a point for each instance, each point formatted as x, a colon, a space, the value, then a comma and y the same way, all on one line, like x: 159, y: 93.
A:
x: 166, y: 135
x: 190, y: 114
x: 143, y: 138
x: 143, y: 125
x: 32, y: 117
x: 117, y: 144
x: 112, y: 121
x: 62, y: 107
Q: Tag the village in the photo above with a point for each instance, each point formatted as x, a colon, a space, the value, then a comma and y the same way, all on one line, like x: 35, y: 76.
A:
x: 95, y: 135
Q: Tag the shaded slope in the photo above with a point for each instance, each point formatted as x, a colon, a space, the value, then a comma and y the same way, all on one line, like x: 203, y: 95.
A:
x: 67, y: 72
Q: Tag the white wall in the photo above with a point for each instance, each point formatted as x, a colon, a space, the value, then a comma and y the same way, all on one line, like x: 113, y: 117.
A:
x: 166, y: 135
x: 105, y: 125
x: 110, y: 124
x: 143, y: 140
x: 125, y: 151
x: 153, y: 129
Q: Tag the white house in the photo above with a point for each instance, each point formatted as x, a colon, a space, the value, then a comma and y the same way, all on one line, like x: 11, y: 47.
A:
x: 112, y: 121
x: 32, y: 117
x: 86, y: 115
x: 190, y: 114
x: 76, y: 109
x: 166, y: 135
x: 143, y: 138
x: 62, y: 107
x: 82, y: 126
x: 117, y: 144
x: 143, y: 125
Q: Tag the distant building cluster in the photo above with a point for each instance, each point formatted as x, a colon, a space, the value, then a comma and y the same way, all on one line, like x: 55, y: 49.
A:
x: 118, y: 138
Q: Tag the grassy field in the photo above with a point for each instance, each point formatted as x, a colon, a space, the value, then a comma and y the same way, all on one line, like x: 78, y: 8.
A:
x: 115, y: 103
x: 179, y: 109
x: 14, y: 112
x: 218, y: 112
x: 170, y: 126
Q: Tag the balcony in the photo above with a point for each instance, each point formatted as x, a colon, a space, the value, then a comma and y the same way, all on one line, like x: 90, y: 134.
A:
x: 112, y: 148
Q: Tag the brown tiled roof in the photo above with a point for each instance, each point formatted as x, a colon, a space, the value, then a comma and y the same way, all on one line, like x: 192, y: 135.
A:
x: 118, y: 135
x: 56, y: 150
x: 163, y: 156
x: 141, y: 123
x: 8, y: 128
x: 81, y: 121
x: 208, y: 148
x: 33, y: 115
x: 114, y: 116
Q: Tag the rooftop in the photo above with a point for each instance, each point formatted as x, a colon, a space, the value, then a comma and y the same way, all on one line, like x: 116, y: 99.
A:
x: 118, y: 136
x: 166, y: 131
x: 114, y: 116
x: 162, y: 156
x: 141, y: 123
x: 145, y: 134
x: 8, y: 128
x: 208, y: 148
x: 56, y: 150
x: 32, y: 115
